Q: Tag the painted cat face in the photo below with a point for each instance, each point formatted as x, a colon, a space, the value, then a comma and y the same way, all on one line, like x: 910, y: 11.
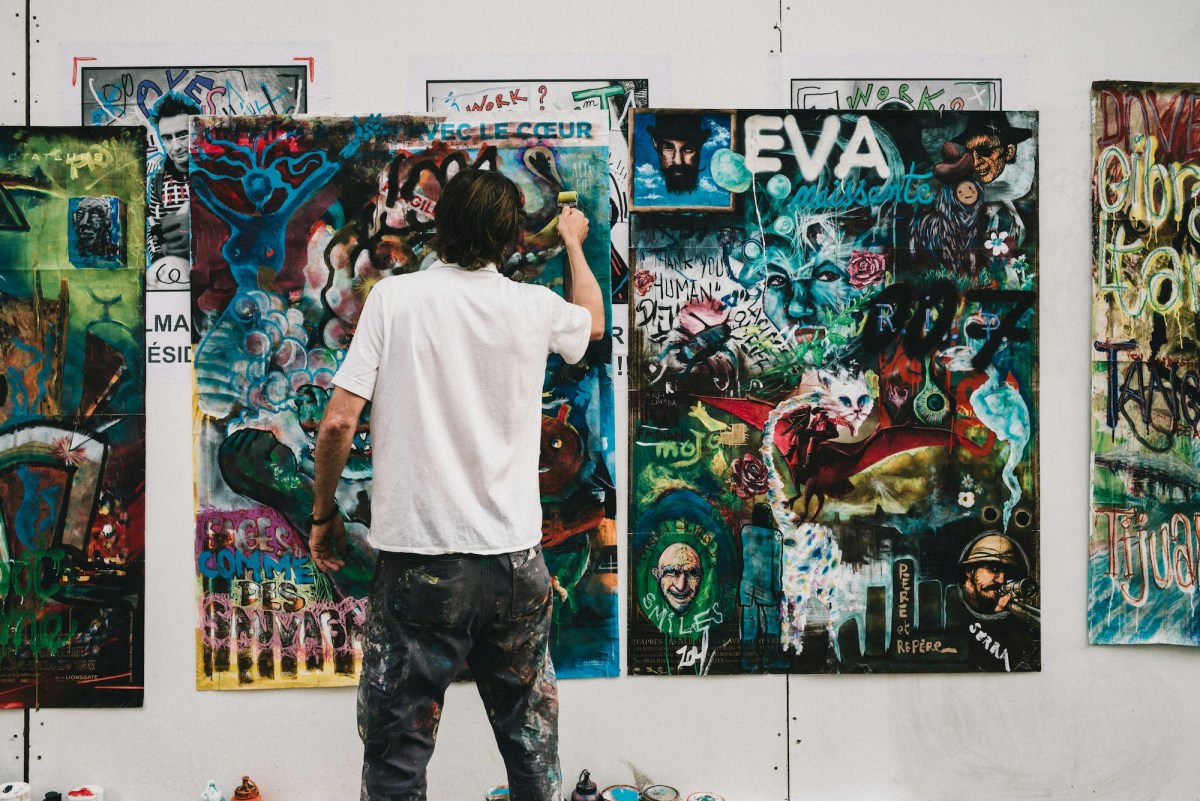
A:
x: 846, y: 399
x: 561, y: 453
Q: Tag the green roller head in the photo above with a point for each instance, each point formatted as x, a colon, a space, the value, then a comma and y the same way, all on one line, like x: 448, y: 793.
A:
x: 568, y: 198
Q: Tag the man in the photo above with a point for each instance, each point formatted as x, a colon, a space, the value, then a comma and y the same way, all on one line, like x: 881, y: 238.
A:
x: 992, y: 140
x: 989, y: 563
x: 93, y: 223
x: 678, y: 575
x: 455, y: 356
x: 678, y: 139
x: 1003, y: 623
x: 168, y: 193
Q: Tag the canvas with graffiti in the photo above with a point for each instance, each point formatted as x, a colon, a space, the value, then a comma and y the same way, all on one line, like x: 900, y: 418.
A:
x: 897, y: 94
x: 294, y: 221
x: 72, y: 417
x: 161, y: 99
x: 833, y: 418
x: 1142, y: 554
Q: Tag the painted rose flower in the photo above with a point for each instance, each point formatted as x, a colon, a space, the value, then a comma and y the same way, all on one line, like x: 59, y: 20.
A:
x: 643, y: 281
x: 749, y: 476
x: 997, y: 242
x: 866, y: 268
x: 966, y: 499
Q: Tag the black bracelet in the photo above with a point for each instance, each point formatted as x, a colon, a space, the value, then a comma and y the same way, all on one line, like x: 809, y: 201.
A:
x: 320, y: 521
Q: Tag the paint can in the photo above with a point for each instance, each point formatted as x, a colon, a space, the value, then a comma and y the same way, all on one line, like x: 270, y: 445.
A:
x: 703, y: 795
x: 497, y: 793
x: 88, y: 792
x: 660, y: 792
x: 621, y: 792
x: 16, y: 791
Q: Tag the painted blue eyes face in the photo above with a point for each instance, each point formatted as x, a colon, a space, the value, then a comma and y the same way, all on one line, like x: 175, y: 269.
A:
x: 863, y: 400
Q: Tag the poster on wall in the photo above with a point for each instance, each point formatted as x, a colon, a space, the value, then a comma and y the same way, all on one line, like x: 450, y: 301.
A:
x: 1142, y: 551
x: 899, y: 83
x: 72, y: 417
x: 158, y: 90
x: 898, y: 94
x: 294, y: 220
x: 833, y: 421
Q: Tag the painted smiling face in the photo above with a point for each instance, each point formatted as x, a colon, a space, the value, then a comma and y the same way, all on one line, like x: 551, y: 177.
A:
x: 679, y: 574
x: 991, y: 156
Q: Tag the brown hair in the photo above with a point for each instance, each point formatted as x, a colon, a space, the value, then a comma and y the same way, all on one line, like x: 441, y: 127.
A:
x: 478, y: 219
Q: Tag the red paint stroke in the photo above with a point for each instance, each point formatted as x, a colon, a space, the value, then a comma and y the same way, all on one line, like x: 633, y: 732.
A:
x: 312, y: 67
x: 75, y: 66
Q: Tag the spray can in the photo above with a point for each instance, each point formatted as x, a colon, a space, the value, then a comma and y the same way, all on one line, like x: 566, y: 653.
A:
x: 246, y: 791
x: 585, y: 789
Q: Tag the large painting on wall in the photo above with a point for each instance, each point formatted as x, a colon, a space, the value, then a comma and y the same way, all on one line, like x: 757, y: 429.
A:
x: 833, y: 417
x: 160, y: 99
x: 294, y: 220
x: 72, y: 417
x: 1142, y: 554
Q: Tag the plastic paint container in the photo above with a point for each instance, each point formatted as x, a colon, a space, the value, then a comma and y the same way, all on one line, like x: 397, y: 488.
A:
x: 621, y: 792
x: 703, y: 796
x: 660, y: 792
x: 16, y: 791
x: 497, y: 793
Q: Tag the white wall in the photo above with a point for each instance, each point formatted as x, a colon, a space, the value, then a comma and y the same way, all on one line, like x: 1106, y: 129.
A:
x: 1097, y: 723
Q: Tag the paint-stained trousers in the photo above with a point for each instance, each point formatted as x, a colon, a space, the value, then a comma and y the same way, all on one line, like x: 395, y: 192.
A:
x: 427, y: 616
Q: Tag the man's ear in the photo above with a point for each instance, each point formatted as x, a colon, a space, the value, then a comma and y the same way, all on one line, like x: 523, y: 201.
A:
x: 1010, y: 153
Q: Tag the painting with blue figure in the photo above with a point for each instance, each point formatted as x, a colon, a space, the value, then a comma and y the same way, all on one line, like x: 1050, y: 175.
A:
x: 294, y: 221
x: 673, y: 159
x: 95, y: 233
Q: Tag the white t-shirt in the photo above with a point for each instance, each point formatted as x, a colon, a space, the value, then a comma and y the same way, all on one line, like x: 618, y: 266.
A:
x: 454, y: 362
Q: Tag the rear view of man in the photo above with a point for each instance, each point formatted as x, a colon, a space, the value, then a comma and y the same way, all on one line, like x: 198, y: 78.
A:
x: 454, y: 358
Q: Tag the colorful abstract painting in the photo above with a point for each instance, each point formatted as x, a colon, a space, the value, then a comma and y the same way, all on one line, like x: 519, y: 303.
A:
x: 294, y: 221
x: 833, y: 419
x: 159, y: 100
x: 72, y: 417
x: 111, y: 96
x: 1142, y: 552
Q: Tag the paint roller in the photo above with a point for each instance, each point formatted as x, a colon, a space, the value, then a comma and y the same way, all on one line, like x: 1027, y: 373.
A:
x: 567, y: 200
